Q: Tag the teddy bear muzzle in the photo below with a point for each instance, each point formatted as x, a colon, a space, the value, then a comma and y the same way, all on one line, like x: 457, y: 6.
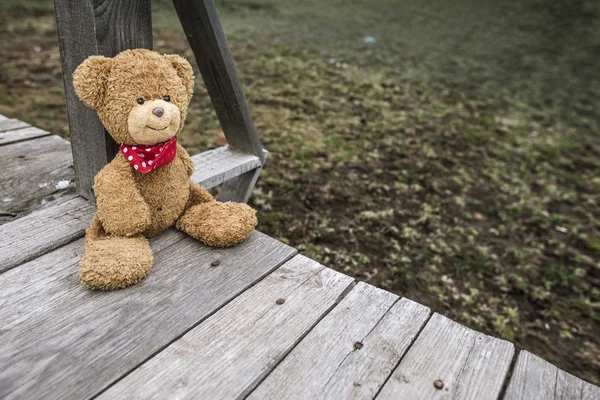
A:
x: 153, y: 121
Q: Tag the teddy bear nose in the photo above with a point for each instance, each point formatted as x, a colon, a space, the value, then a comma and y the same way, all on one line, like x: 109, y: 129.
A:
x: 158, y: 112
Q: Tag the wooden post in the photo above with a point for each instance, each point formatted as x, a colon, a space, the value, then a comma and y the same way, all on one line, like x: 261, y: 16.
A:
x: 203, y: 29
x: 95, y: 27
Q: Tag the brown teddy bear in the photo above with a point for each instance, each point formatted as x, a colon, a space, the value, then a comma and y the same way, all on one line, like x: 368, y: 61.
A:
x: 142, y: 99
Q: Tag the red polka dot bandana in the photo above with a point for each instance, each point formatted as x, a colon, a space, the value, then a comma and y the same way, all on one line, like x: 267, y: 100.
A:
x: 148, y: 158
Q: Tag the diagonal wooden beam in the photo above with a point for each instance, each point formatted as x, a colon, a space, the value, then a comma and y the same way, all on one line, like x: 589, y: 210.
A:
x: 204, y: 32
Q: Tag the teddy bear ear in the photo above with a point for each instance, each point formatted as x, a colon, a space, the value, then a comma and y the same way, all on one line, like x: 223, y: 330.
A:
x: 184, y: 70
x: 89, y: 80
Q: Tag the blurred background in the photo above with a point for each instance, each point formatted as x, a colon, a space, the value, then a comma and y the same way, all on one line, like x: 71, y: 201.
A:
x: 447, y: 151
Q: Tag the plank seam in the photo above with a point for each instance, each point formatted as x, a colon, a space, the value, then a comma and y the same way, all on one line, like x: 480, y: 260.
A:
x: 76, y: 236
x: 361, y: 340
x: 556, y: 382
x: 252, y: 387
x: 24, y: 139
x: 509, y: 373
x: 193, y: 326
x: 405, y: 353
x: 462, y: 368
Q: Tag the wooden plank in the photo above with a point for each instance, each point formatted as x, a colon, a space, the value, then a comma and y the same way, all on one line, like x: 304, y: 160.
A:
x: 77, y: 41
x: 327, y: 364
x: 216, y: 166
x: 48, y: 228
x: 88, y: 28
x: 33, y: 170
x: 122, y: 25
x: 239, y: 188
x: 2, y: 117
x: 43, y: 231
x: 12, y: 124
x: 20, y: 135
x: 203, y: 29
x: 60, y: 340
x: 534, y: 378
x: 590, y: 392
x: 470, y: 365
x: 227, y: 355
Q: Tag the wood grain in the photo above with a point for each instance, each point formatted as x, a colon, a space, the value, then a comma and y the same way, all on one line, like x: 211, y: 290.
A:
x: 20, y: 135
x: 33, y: 171
x: 43, y: 231
x: 49, y: 227
x: 326, y: 364
x: 77, y: 41
x: 203, y: 30
x: 227, y: 355
x: 12, y: 124
x: 471, y: 365
x: 60, y: 340
x: 122, y: 25
x: 214, y: 167
x: 534, y: 378
x: 85, y: 28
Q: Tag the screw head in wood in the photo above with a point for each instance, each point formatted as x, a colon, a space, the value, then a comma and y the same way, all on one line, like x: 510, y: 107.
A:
x: 438, y: 384
x: 280, y: 301
x: 358, y: 346
x: 215, y: 263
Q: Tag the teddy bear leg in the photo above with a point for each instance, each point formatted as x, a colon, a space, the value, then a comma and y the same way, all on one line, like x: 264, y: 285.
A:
x: 113, y: 262
x: 214, y: 223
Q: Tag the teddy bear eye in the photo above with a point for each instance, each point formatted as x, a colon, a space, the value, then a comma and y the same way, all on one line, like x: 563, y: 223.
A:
x: 140, y: 101
x: 167, y: 98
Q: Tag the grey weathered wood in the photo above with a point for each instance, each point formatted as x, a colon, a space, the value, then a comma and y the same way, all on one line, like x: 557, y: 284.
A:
x: 216, y: 166
x: 534, y: 378
x: 77, y: 41
x: 60, y: 340
x: 203, y: 29
x: 240, y: 187
x: 48, y: 228
x: 326, y: 364
x: 43, y: 231
x: 12, y: 124
x: 2, y: 117
x: 32, y: 171
x: 471, y: 365
x: 87, y: 28
x: 227, y: 355
x: 122, y: 25
x: 20, y: 135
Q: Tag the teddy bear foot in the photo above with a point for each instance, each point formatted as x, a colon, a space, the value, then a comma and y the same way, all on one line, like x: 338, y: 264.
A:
x: 218, y: 224
x: 115, y: 262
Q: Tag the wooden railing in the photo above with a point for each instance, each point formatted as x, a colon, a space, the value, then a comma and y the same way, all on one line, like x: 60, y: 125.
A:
x: 107, y: 27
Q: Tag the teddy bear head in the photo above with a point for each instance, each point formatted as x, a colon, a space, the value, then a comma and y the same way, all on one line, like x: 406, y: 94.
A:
x: 141, y: 96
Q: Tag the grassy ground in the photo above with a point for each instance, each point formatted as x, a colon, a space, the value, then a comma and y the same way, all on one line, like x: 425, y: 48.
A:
x: 454, y: 161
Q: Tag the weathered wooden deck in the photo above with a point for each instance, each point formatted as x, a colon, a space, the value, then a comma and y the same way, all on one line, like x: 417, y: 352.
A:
x: 256, y: 320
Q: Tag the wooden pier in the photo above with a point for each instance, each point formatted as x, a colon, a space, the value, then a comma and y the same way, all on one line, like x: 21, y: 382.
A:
x: 257, y: 320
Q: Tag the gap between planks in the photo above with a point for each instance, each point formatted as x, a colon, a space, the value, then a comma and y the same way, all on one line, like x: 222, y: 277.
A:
x: 62, y: 223
x: 238, y: 346
x: 110, y: 333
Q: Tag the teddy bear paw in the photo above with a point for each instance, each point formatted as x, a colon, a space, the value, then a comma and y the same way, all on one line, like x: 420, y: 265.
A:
x: 218, y: 224
x: 115, y: 262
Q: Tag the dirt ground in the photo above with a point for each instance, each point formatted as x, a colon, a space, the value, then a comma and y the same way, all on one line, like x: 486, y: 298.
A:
x: 447, y: 151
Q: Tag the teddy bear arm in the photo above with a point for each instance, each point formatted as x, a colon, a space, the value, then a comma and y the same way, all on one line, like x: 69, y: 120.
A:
x: 186, y: 159
x: 121, y: 207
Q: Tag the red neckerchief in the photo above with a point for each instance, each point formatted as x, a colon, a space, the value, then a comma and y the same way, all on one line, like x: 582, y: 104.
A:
x: 148, y: 158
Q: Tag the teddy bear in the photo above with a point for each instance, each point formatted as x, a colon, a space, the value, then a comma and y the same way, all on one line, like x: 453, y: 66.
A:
x: 142, y: 99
